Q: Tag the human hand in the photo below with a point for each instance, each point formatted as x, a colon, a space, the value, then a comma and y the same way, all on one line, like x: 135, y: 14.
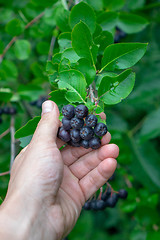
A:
x: 48, y: 187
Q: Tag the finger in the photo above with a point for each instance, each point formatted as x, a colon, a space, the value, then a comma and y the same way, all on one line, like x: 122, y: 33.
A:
x: 71, y: 154
x: 91, y: 160
x: 97, y: 177
x: 102, y: 115
x: 48, y: 126
x: 60, y: 143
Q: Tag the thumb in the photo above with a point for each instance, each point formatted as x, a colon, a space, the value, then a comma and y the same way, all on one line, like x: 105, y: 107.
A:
x: 48, y: 125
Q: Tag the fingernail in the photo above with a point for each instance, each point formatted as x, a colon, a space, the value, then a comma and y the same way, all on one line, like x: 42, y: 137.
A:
x: 47, y: 106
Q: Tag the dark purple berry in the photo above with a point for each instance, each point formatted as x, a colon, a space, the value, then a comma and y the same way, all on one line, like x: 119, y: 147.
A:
x: 93, y: 205
x: 86, y: 133
x: 64, y: 135
x: 75, y: 135
x: 100, y: 129
x: 1, y: 120
x: 33, y: 103
x: 112, y: 201
x: 112, y: 177
x: 85, y: 144
x: 91, y: 120
x: 81, y: 111
x: 12, y: 111
x: 68, y: 111
x: 1, y: 111
x: 87, y: 206
x: 74, y: 144
x: 66, y: 123
x: 123, y: 194
x: 77, y: 123
x: 6, y: 110
x: 106, y: 195
x: 95, y: 143
x: 100, y: 204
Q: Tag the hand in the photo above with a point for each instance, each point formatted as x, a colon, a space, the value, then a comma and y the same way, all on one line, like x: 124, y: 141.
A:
x: 48, y: 187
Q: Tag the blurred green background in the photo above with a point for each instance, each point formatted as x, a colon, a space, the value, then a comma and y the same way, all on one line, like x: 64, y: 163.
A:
x: 134, y: 123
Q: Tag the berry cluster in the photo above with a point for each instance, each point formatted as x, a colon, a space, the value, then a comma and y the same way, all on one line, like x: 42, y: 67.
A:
x: 38, y: 103
x: 8, y: 111
x: 80, y: 129
x: 107, y: 199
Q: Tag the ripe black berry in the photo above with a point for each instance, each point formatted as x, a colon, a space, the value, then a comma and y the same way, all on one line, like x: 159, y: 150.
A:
x: 91, y: 120
x: 81, y: 111
x: 85, y: 144
x: 39, y: 103
x: 6, y: 110
x: 100, y: 204
x: 75, y: 135
x: 87, y: 206
x: 64, y: 135
x: 111, y: 201
x: 106, y: 195
x: 95, y: 143
x: 77, y: 123
x: 66, y: 123
x: 93, y: 205
x: 33, y: 103
x: 123, y: 193
x: 100, y: 129
x: 86, y: 133
x: 68, y: 111
x: 12, y: 111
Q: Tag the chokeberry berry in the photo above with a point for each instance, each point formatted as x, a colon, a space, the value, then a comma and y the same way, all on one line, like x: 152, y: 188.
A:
x: 112, y: 201
x: 68, y: 111
x: 112, y: 177
x: 106, y: 195
x: 100, y: 129
x: 100, y: 204
x: 85, y: 144
x: 93, y: 205
x: 12, y: 111
x: 81, y: 111
x: 66, y: 123
x: 87, y: 206
x: 33, y: 103
x: 75, y: 135
x: 6, y: 110
x: 86, y: 133
x: 91, y: 120
x: 94, y: 143
x: 64, y: 135
x: 123, y: 193
x: 77, y: 123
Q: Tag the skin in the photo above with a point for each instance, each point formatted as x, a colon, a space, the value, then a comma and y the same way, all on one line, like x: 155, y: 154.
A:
x: 48, y: 187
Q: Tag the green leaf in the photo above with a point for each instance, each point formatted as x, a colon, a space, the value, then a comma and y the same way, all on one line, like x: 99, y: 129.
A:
x: 97, y: 5
x: 82, y: 42
x: 64, y: 41
x: 10, y: 68
x: 22, y: 49
x: 58, y: 96
x: 30, y: 92
x: 1, y: 201
x: 153, y: 235
x: 51, y: 67
x: 84, y: 66
x: 62, y: 19
x: 151, y: 126
x: 131, y: 23
x: 1, y: 46
x: 28, y: 129
x: 70, y: 54
x: 113, y: 90
x: 15, y: 27
x: 75, y: 82
x: 114, y: 5
x: 57, y: 58
x: 107, y: 20
x: 83, y: 12
x: 24, y: 141
x: 122, y: 55
x: 135, y: 4
x: 64, y: 65
x: 103, y: 40
x: 5, y: 94
x: 43, y: 48
x: 42, y: 3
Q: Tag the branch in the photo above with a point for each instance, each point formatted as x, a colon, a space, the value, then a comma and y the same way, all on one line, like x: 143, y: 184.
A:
x: 12, y: 131
x: 15, y: 38
x: 51, y: 47
x: 91, y: 93
x: 4, y: 173
x: 5, y: 133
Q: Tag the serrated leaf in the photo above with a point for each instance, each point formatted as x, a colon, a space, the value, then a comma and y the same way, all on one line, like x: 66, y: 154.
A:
x: 22, y: 49
x: 57, y: 58
x: 84, y: 66
x: 97, y: 5
x: 131, y: 23
x: 62, y: 19
x: 107, y: 20
x: 51, y: 67
x: 5, y: 94
x: 15, y: 27
x: 64, y: 65
x: 103, y: 40
x: 71, y: 55
x: 83, y: 12
x: 113, y: 90
x: 64, y: 41
x: 75, y: 82
x: 151, y: 126
x: 28, y: 129
x: 122, y: 55
x: 58, y: 96
x: 82, y: 42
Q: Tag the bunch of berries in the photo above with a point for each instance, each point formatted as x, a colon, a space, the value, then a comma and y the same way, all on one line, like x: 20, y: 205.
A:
x: 38, y: 103
x: 108, y: 199
x: 8, y: 111
x: 80, y: 129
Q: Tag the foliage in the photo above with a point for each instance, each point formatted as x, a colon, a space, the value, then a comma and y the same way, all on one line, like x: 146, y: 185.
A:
x: 68, y: 51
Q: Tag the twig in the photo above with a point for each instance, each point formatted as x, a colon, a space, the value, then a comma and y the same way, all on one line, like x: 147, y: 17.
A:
x: 5, y: 133
x: 51, y: 47
x: 12, y: 131
x: 14, y: 38
x: 91, y: 93
x: 4, y: 173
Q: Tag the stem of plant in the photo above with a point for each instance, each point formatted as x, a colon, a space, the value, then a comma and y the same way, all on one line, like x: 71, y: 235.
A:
x: 12, y: 131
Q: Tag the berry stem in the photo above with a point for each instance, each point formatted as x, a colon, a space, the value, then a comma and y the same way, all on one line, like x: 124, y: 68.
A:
x: 4, y: 173
x: 12, y: 131
x: 4, y: 133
